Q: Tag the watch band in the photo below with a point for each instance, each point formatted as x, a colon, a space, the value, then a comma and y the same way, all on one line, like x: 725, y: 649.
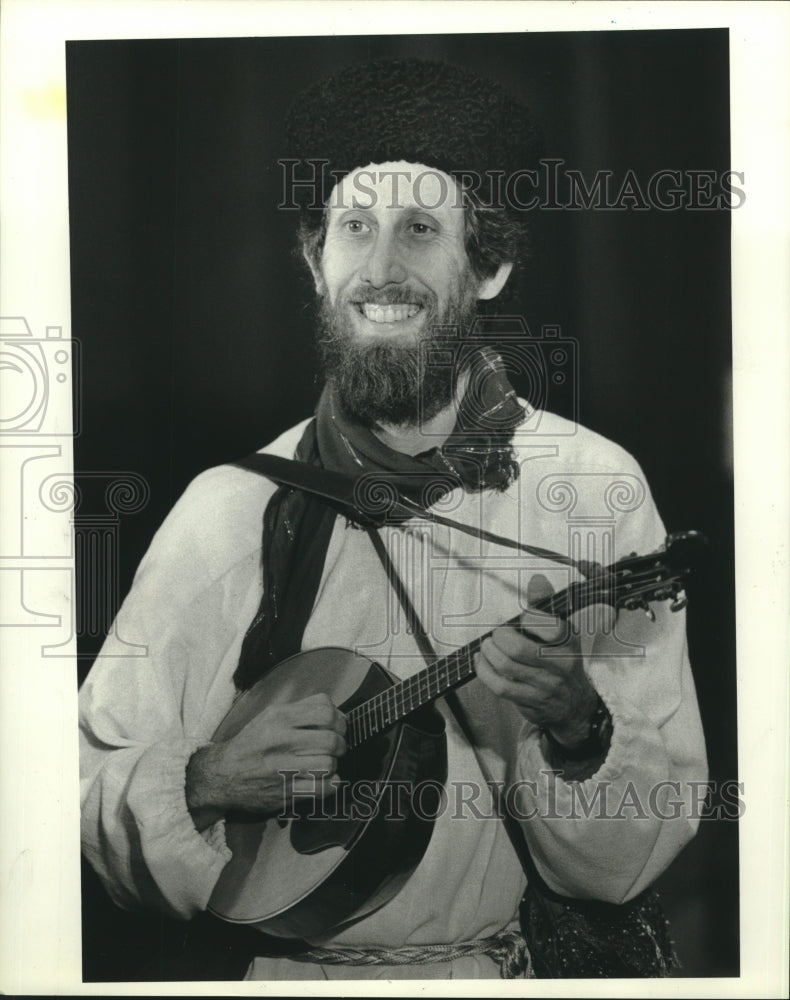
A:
x: 596, y: 743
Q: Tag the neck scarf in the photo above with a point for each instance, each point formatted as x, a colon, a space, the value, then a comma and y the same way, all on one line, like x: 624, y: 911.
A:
x: 297, y: 526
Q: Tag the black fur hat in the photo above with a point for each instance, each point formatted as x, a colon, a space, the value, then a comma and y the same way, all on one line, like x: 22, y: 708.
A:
x: 420, y: 111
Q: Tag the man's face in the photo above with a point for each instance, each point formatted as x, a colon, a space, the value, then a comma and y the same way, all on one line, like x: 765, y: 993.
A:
x: 393, y: 272
x: 394, y: 251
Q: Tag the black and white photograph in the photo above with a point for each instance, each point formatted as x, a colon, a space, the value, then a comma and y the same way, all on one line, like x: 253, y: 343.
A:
x: 392, y: 438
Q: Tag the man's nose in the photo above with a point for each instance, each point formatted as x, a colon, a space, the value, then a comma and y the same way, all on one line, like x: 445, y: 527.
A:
x: 384, y: 264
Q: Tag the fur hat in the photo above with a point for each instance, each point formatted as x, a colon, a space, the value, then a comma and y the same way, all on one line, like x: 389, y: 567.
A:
x: 420, y: 111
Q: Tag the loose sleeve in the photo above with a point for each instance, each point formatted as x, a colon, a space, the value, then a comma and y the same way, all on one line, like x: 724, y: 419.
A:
x: 612, y: 835
x: 157, y: 691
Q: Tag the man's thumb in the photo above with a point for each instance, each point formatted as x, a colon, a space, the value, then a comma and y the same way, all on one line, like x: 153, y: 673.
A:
x: 538, y: 589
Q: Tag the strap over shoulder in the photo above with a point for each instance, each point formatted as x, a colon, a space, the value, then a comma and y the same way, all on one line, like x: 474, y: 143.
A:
x: 358, y: 498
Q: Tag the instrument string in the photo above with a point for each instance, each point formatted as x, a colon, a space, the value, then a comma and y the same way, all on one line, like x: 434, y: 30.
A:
x: 389, y: 706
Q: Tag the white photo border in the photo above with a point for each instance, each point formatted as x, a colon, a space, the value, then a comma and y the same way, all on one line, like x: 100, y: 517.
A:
x: 39, y: 829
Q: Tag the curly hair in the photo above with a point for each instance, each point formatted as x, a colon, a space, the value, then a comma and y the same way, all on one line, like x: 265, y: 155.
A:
x: 425, y: 112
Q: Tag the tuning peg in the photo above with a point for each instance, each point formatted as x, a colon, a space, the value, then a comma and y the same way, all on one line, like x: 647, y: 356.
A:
x: 639, y: 604
x: 680, y: 601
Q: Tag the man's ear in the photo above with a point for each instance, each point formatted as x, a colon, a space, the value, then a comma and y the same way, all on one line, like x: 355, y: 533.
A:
x: 315, y: 270
x: 491, y: 287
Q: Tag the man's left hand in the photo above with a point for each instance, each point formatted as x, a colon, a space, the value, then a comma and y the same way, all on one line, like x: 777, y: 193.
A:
x: 550, y: 690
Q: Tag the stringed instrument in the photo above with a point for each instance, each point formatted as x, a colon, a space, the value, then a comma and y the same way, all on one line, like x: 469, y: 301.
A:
x: 326, y: 862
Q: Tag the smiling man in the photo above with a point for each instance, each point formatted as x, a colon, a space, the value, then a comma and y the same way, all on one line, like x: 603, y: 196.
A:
x: 392, y: 272
x: 406, y: 245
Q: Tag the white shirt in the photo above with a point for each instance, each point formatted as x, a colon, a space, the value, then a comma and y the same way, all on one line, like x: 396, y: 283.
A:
x: 199, y: 587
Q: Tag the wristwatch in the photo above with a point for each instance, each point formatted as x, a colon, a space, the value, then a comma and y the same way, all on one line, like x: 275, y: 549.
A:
x: 595, y: 744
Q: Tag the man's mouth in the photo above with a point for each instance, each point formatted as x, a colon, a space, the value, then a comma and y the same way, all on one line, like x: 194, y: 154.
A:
x: 395, y: 313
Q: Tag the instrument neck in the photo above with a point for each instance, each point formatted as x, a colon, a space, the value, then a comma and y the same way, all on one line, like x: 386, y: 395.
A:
x: 391, y: 706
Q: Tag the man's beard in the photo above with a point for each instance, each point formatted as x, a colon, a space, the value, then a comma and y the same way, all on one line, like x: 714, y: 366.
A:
x: 386, y: 381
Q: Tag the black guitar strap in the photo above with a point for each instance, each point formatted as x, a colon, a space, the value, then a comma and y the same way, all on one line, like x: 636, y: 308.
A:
x: 346, y: 493
x: 412, y: 618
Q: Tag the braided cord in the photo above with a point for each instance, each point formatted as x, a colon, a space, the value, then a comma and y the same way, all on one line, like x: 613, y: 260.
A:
x: 507, y: 948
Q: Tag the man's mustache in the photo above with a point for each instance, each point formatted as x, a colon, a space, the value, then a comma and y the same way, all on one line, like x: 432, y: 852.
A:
x: 390, y: 295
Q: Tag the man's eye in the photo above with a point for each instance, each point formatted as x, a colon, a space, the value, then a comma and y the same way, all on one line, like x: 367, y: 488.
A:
x: 420, y: 228
x: 355, y: 226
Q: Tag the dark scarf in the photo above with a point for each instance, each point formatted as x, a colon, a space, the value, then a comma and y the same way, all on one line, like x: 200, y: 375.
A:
x: 297, y: 525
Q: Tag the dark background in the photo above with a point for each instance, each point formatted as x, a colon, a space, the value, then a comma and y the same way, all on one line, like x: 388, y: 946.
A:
x: 196, y: 330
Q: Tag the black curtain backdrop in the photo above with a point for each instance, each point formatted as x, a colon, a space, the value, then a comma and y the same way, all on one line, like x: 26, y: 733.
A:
x: 195, y: 321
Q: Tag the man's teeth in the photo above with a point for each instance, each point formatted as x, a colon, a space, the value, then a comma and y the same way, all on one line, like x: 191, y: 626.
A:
x: 389, y: 314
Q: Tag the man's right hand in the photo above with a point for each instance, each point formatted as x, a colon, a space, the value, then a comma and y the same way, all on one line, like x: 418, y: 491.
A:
x: 254, y: 770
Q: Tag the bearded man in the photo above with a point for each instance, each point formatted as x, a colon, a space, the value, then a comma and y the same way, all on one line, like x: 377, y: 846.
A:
x: 403, y: 251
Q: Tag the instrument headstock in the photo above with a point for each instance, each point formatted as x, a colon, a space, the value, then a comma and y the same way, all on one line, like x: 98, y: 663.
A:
x: 659, y: 576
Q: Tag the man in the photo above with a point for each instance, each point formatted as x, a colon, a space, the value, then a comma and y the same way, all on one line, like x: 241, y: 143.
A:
x: 406, y: 243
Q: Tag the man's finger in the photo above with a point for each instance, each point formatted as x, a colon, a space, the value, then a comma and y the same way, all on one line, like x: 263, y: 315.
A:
x: 538, y: 589
x: 317, y: 741
x: 595, y: 619
x: 513, y: 643
x: 539, y: 624
x: 521, y: 692
x: 318, y: 785
x: 542, y: 628
x: 318, y: 711
x: 524, y: 666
